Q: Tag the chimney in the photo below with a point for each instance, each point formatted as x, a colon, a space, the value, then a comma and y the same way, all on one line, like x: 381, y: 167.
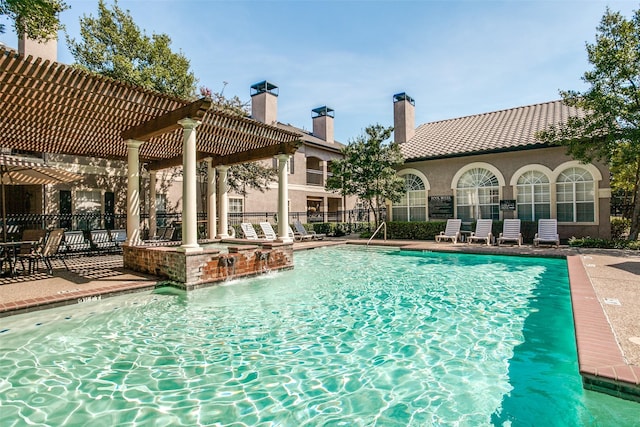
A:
x: 264, y: 102
x: 404, y: 118
x: 47, y: 50
x: 323, y: 123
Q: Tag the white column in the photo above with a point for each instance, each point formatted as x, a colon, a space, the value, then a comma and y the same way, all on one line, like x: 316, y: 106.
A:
x: 133, y: 192
x: 223, y: 190
x: 189, y: 187
x: 152, y: 204
x: 283, y: 199
x: 212, y: 228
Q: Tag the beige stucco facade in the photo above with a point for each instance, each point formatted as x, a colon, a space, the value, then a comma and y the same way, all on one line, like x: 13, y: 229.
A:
x: 441, y: 176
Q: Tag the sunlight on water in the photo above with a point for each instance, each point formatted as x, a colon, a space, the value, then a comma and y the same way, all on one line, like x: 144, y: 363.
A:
x: 354, y: 337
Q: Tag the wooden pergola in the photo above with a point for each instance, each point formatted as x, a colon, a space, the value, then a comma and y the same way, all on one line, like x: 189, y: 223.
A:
x: 55, y: 108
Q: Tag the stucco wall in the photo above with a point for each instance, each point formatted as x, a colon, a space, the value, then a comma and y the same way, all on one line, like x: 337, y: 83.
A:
x: 440, y: 174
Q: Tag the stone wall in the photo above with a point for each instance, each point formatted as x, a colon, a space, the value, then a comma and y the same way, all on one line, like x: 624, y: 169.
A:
x: 194, y: 270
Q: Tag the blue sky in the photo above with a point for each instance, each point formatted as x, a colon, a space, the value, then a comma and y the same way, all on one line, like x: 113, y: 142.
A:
x: 455, y: 58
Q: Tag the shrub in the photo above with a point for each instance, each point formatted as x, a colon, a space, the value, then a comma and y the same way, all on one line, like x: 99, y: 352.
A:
x: 620, y: 227
x: 590, y: 242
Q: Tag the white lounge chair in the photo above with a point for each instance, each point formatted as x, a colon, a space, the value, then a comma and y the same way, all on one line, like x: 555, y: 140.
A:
x: 299, y: 237
x: 547, y: 233
x: 510, y: 232
x: 451, y: 232
x: 303, y: 231
x: 248, y: 231
x: 268, y: 231
x: 483, y: 231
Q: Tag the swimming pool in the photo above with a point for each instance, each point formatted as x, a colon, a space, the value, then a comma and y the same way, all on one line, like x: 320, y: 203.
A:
x: 351, y: 336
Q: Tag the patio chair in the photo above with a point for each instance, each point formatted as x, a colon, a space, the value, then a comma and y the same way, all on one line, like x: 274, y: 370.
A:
x: 74, y: 242
x: 268, y: 231
x: 101, y: 241
x: 32, y: 241
x: 451, y: 231
x: 510, y: 232
x: 303, y: 231
x: 483, y: 231
x: 118, y: 237
x: 547, y: 233
x: 248, y: 231
x: 299, y: 237
x: 48, y: 251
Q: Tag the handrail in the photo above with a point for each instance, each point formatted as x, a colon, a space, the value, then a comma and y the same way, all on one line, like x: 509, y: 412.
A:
x: 384, y: 224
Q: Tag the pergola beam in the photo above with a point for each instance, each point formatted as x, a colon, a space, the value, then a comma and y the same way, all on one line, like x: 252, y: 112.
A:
x: 257, y: 154
x: 169, y: 121
x: 231, y: 159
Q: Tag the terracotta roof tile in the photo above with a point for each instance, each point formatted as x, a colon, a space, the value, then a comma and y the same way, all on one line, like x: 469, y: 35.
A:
x: 496, y: 131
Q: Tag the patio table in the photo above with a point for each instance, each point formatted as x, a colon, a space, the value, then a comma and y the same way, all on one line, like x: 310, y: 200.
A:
x: 9, y: 253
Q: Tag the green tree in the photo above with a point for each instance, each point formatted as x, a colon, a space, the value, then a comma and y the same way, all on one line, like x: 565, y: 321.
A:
x: 38, y: 19
x: 608, y: 127
x: 112, y: 45
x: 368, y: 169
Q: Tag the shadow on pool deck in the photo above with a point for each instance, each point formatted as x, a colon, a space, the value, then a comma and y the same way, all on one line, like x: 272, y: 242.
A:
x: 605, y: 292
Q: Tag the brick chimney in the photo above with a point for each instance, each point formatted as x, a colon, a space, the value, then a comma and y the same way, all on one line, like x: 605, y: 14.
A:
x: 323, y: 123
x: 264, y: 102
x: 47, y: 50
x: 404, y: 117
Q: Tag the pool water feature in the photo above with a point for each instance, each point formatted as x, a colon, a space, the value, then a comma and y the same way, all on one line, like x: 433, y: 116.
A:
x: 351, y: 336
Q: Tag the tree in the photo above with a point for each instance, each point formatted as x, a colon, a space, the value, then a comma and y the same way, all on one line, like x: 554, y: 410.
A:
x: 609, y: 126
x: 38, y: 19
x: 368, y: 169
x: 112, y: 45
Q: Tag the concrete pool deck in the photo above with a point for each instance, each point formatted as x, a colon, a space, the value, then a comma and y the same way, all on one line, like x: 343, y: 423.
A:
x: 605, y: 292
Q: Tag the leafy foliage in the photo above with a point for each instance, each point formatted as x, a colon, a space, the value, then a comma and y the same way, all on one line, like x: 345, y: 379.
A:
x: 112, y: 45
x: 36, y: 18
x: 609, y: 128
x: 368, y: 169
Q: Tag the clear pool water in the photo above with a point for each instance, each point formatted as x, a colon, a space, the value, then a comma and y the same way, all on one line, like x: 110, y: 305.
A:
x: 351, y: 336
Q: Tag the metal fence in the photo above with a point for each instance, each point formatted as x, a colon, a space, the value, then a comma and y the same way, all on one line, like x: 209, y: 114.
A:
x: 18, y: 222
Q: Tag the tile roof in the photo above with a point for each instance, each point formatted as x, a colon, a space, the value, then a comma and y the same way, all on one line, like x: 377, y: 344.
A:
x: 504, y: 130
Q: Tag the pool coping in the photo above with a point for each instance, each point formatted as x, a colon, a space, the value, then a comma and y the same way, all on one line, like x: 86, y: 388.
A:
x: 602, y: 365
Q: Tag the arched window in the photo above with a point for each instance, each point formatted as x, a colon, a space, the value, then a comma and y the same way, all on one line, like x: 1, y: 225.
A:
x: 478, y: 195
x: 575, y: 190
x: 534, y: 196
x: 412, y: 206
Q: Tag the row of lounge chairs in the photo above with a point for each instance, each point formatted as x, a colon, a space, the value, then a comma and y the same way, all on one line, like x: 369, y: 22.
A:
x: 102, y: 241
x: 301, y: 234
x: 547, y: 232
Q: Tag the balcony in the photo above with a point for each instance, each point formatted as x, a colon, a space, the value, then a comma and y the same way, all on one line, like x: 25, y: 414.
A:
x: 315, y: 177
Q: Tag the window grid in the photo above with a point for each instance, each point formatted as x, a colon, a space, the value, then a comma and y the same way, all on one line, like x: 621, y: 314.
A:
x: 533, y: 198
x: 478, y: 195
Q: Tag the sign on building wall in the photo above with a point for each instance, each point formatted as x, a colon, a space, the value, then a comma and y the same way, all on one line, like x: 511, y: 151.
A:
x: 508, y: 205
x: 440, y: 207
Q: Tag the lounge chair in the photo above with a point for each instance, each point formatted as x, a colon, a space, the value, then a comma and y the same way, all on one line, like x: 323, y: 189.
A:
x: 451, y: 231
x: 547, y: 233
x: 303, y: 231
x: 118, y: 237
x: 101, y: 241
x: 482, y: 233
x: 268, y: 231
x: 299, y: 237
x: 75, y: 242
x: 248, y: 231
x: 510, y: 232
